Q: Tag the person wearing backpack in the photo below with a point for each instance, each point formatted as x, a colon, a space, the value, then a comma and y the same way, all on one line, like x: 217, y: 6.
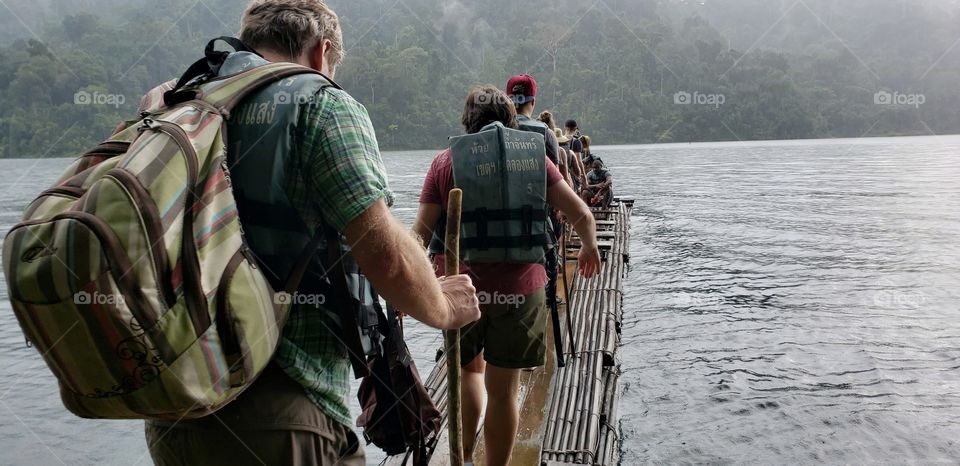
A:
x: 504, y: 238
x: 231, y: 339
x: 319, y: 165
x: 588, y: 156
x: 572, y: 130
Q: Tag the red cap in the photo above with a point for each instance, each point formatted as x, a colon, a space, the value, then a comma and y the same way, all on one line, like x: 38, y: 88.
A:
x: 522, y: 88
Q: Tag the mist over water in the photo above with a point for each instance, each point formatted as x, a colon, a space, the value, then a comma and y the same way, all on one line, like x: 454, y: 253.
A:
x: 788, y: 302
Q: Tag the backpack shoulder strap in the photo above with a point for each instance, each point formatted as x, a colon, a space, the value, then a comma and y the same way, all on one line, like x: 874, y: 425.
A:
x: 333, y: 264
x: 347, y: 315
x: 202, y: 70
x: 224, y: 93
x: 202, y: 80
x: 300, y: 269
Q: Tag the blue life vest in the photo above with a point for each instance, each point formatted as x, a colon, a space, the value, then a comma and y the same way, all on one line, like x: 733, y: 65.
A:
x: 503, y: 175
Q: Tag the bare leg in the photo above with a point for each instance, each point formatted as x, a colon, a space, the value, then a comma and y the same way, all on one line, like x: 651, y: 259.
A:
x: 586, y: 195
x: 500, y: 423
x: 608, y: 197
x: 472, y: 395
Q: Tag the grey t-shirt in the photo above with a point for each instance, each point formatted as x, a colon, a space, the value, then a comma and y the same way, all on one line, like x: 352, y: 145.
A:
x: 550, y: 139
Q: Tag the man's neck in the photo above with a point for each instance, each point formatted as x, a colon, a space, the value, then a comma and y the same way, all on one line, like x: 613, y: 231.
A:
x: 302, y: 60
x: 274, y: 57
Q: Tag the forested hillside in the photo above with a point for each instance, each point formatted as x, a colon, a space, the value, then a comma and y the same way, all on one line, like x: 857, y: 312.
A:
x: 629, y: 70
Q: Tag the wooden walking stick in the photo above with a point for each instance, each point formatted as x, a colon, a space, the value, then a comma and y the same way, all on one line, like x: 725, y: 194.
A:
x: 566, y: 288
x: 451, y: 338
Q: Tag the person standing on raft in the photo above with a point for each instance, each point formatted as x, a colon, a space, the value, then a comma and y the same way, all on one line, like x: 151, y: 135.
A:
x: 504, y: 238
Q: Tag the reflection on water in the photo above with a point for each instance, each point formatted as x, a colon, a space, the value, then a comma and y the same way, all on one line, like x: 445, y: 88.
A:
x: 789, y: 302
x: 794, y: 303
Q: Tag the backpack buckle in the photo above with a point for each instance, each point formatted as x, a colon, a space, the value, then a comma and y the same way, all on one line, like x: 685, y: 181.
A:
x: 148, y: 123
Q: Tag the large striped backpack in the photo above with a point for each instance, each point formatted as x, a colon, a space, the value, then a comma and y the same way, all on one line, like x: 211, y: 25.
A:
x: 131, y: 275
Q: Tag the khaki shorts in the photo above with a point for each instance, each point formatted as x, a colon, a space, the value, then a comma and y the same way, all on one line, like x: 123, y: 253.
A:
x: 272, y: 422
x: 510, y: 332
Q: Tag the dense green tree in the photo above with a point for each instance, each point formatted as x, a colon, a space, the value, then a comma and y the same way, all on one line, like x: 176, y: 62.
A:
x: 757, y: 69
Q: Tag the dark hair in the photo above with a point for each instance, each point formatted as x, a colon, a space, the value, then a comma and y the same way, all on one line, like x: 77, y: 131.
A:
x: 487, y: 104
x: 571, y: 124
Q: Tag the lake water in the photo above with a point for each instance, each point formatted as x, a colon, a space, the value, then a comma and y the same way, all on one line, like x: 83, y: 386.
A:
x: 789, y: 302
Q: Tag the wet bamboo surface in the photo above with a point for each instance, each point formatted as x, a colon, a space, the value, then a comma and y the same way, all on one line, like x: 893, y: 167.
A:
x: 582, y: 427
x: 568, y: 415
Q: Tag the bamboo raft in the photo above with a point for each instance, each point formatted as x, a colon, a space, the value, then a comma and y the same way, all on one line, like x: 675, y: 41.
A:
x: 568, y: 415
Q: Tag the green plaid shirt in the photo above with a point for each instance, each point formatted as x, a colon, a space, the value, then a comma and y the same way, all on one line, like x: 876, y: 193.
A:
x: 336, y: 174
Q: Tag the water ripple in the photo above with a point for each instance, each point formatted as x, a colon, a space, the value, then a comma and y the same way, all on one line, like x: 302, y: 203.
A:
x: 759, y: 290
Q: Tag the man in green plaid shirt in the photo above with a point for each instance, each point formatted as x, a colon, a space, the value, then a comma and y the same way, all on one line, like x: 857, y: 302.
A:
x: 302, y: 153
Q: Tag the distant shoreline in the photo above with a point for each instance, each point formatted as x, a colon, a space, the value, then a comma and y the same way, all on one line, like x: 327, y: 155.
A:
x: 648, y: 144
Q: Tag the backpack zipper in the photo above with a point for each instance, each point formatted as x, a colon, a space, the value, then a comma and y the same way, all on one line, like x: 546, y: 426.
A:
x: 244, y: 249
x: 194, y: 296
x: 69, y: 191
x: 154, y: 230
x: 111, y: 148
x: 229, y: 340
x: 121, y: 269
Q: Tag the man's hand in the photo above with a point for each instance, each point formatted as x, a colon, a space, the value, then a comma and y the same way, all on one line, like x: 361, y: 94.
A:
x: 561, y: 197
x: 588, y: 261
x: 462, y: 302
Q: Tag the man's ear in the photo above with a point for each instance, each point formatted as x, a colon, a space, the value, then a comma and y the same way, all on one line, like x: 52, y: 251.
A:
x: 318, y: 55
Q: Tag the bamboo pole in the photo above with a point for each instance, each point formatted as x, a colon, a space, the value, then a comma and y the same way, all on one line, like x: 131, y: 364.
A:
x: 582, y: 412
x: 566, y: 288
x: 452, y: 337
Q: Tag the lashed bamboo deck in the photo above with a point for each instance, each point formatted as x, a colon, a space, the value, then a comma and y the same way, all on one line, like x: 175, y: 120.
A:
x: 568, y: 415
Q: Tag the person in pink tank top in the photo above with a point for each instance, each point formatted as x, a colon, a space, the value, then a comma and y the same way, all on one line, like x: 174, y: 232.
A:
x: 510, y: 334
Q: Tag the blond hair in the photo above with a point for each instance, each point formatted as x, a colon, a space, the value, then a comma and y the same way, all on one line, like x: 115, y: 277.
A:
x: 290, y: 27
x: 547, y: 117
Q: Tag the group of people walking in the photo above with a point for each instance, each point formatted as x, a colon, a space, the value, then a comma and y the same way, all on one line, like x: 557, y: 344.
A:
x: 307, y: 182
x: 580, y: 168
x: 330, y: 170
